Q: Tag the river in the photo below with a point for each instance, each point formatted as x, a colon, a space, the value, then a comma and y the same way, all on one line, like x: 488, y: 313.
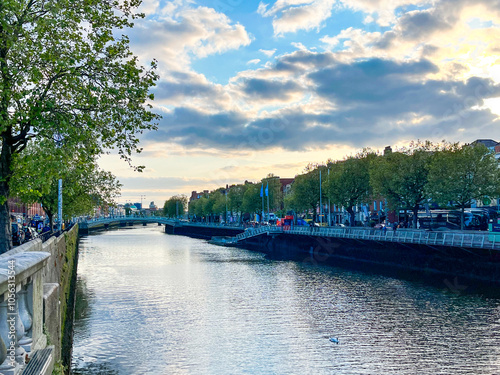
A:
x: 152, y: 303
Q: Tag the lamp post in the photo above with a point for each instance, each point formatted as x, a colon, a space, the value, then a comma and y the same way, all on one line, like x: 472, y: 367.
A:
x: 320, y: 201
x: 59, y: 141
x: 329, y: 207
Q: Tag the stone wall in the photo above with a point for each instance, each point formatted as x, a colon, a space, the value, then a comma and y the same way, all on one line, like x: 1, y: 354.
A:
x: 57, y: 278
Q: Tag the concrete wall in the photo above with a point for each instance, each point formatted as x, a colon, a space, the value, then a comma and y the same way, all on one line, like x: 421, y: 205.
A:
x: 205, y: 232
x: 399, y: 259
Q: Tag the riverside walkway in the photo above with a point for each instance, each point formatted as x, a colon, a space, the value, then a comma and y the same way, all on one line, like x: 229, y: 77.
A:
x: 459, y: 239
x: 462, y: 239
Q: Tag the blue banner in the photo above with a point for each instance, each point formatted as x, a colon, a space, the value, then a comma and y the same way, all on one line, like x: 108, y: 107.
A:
x: 262, y: 190
x: 267, y: 190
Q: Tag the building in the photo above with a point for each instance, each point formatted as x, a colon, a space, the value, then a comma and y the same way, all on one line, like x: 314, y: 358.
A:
x: 18, y: 208
x: 195, y: 195
x: 489, y: 143
x: 492, y: 145
x: 286, y: 185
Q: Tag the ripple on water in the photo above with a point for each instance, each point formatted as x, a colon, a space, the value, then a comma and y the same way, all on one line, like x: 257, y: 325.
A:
x: 149, y: 303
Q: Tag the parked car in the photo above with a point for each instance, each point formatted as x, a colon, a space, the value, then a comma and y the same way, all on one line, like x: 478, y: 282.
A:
x: 17, y: 234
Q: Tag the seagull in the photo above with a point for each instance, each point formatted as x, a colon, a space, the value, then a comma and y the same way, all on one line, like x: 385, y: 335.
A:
x: 335, y: 340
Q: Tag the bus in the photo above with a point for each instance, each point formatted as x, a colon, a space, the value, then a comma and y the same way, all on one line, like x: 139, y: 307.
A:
x: 474, y: 219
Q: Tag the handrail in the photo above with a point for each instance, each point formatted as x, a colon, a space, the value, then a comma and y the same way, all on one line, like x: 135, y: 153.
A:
x: 484, y: 240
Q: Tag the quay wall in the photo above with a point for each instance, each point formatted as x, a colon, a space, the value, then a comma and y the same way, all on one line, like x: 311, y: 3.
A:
x: 203, y: 232
x: 401, y: 258
x: 396, y: 258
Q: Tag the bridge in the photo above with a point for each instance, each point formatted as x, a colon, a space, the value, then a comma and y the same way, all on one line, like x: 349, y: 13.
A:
x: 459, y: 239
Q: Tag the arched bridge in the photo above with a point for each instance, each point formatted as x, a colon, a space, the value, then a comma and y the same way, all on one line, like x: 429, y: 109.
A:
x: 172, y: 226
x: 104, y: 223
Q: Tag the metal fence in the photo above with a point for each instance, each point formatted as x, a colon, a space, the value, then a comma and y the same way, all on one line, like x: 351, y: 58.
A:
x: 483, y: 240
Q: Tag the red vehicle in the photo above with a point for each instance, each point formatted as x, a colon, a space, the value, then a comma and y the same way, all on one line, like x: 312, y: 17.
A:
x: 286, y: 222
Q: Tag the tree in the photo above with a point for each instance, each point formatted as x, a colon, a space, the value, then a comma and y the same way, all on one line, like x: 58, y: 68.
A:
x: 348, y: 183
x: 37, y: 169
x: 274, y: 189
x: 199, y: 209
x: 401, y: 177
x: 175, y: 206
x: 235, y: 198
x: 460, y: 174
x: 252, y: 201
x: 192, y: 207
x: 305, y: 194
x: 207, y: 205
x: 219, y: 203
x: 64, y: 74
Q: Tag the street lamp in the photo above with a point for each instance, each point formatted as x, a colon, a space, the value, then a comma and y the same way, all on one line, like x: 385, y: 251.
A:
x: 320, y: 201
x: 58, y: 138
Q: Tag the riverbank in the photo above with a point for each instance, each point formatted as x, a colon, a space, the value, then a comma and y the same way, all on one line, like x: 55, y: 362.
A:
x: 470, y: 257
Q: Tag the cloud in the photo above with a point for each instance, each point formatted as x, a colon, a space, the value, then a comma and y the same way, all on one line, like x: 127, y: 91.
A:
x: 372, y: 101
x: 268, y: 53
x: 253, y: 62
x: 290, y: 16
x: 383, y: 11
x: 158, y: 188
x: 373, y: 87
x: 270, y: 89
x: 186, y: 33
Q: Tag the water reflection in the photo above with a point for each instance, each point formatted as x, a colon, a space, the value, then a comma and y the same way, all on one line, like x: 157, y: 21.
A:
x: 149, y: 303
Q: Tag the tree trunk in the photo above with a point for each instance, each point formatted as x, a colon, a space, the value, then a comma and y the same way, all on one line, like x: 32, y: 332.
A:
x: 462, y: 218
x: 415, y: 216
x: 50, y: 215
x: 5, y: 228
x: 5, y: 173
x: 351, y: 216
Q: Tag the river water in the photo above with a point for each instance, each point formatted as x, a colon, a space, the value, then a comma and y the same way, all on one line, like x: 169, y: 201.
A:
x: 152, y: 303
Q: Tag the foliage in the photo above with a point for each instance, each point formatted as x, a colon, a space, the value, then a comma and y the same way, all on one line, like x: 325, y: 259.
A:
x: 235, y: 197
x: 401, y: 177
x: 305, y: 193
x: 66, y: 74
x: 39, y: 167
x: 175, y: 206
x: 200, y: 206
x: 219, y: 202
x: 275, y: 194
x: 348, y: 183
x: 460, y: 174
x: 252, y: 201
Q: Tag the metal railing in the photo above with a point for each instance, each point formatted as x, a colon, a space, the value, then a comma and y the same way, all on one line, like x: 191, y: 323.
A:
x: 483, y: 240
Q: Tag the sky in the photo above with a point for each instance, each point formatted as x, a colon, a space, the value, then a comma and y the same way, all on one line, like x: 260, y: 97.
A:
x: 249, y: 88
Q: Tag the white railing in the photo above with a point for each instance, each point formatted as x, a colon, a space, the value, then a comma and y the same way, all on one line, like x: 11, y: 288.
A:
x: 21, y: 316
